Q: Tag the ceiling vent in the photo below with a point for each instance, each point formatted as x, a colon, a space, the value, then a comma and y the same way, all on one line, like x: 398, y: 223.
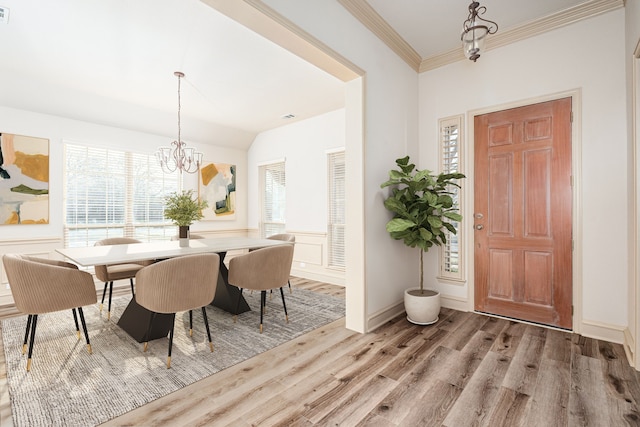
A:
x: 288, y: 116
x: 4, y: 15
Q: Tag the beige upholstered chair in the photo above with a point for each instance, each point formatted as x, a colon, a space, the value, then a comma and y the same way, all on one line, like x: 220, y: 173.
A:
x: 109, y: 273
x: 43, y: 286
x: 285, y: 237
x: 262, y: 270
x: 179, y: 284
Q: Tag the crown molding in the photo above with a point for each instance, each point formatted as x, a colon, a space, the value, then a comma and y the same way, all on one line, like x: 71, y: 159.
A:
x: 364, y: 13
x: 529, y: 29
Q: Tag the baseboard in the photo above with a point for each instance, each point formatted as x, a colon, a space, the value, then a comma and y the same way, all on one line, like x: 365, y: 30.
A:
x: 603, y: 331
x: 320, y: 277
x: 383, y: 316
x: 455, y: 303
x: 629, y: 346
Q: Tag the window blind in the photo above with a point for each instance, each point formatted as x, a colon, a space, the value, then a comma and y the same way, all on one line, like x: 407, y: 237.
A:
x: 112, y: 193
x: 336, y: 205
x: 273, y: 199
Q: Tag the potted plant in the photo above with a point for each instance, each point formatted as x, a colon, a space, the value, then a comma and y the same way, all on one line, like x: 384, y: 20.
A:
x: 182, y: 208
x: 423, y: 211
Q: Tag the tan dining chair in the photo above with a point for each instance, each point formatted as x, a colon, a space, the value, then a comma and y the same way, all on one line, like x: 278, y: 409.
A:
x: 41, y: 286
x: 285, y: 237
x: 178, y: 284
x: 109, y: 273
x: 262, y: 270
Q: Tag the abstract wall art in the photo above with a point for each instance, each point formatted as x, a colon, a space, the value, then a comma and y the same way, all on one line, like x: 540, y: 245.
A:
x: 218, y: 187
x: 24, y: 180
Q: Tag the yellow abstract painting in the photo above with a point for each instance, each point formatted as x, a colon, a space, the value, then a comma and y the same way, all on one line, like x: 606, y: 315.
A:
x: 24, y: 180
x: 218, y: 187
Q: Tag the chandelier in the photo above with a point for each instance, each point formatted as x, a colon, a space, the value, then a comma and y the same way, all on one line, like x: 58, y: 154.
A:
x: 178, y: 156
x: 475, y: 30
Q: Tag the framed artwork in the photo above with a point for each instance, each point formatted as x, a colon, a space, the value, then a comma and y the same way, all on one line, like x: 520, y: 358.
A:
x: 217, y: 185
x: 24, y: 179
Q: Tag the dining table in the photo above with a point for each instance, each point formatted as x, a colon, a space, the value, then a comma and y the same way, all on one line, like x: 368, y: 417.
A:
x: 135, y: 319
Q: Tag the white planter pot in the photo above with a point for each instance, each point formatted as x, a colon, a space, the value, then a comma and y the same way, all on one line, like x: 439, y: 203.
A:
x: 422, y: 308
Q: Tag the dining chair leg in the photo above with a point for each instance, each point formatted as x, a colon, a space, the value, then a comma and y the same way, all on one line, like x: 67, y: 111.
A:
x: 146, y: 340
x: 104, y: 292
x: 290, y: 290
x: 206, y: 325
x: 235, y: 317
x: 75, y: 319
x: 263, y: 302
x: 26, y: 334
x: 190, y: 323
x: 132, y: 292
x: 84, y: 328
x: 110, y: 293
x: 34, y: 321
x: 170, y: 344
x: 286, y: 315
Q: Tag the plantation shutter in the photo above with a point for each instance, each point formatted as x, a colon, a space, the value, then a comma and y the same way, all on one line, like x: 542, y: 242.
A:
x: 336, y: 214
x: 273, y: 198
x: 450, y: 143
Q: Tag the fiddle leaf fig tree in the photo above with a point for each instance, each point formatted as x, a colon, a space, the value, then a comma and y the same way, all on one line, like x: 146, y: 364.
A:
x: 423, y: 207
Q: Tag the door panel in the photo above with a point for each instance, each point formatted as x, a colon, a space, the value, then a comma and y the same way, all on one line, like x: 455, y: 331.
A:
x: 523, y: 201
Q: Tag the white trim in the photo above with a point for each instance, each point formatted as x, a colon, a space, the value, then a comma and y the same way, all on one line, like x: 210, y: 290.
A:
x: 576, y: 160
x: 634, y: 247
x: 381, y: 317
x: 334, y: 150
x: 603, y: 331
x: 31, y: 241
x: 453, y: 302
x: 272, y: 162
x: 629, y: 346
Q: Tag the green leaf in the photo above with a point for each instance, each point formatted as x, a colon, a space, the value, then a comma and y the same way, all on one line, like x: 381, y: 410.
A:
x: 399, y: 224
x: 435, y: 222
x: 425, y: 234
x: 452, y: 215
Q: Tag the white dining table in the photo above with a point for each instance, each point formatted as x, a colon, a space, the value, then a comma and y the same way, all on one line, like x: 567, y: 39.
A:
x: 135, y: 318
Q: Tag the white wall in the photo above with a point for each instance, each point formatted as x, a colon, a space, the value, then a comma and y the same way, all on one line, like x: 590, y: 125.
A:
x: 58, y: 130
x: 390, y: 105
x: 573, y: 57
x: 304, y: 144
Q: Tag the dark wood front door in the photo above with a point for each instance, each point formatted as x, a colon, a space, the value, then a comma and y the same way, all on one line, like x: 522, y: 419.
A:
x: 523, y: 218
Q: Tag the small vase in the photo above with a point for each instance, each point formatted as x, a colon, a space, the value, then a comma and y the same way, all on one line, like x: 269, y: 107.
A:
x: 183, y: 235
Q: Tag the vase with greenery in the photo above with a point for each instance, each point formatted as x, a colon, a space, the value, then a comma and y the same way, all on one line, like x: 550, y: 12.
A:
x: 183, y: 208
x: 424, y: 210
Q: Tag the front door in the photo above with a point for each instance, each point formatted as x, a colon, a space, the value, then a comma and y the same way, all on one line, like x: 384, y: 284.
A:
x: 522, y: 218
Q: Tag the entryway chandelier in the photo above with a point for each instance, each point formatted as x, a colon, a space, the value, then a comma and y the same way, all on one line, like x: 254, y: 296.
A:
x: 475, y: 30
x: 178, y: 156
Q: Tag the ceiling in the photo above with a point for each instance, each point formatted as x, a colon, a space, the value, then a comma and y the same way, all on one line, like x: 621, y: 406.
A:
x: 112, y: 62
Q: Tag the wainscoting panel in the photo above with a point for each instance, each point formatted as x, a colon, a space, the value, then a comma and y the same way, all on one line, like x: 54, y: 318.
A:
x: 40, y: 247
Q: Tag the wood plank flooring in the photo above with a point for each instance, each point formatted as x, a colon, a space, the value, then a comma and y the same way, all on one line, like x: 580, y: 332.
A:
x: 467, y: 370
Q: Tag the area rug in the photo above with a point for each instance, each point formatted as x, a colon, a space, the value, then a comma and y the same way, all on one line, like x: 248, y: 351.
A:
x: 69, y: 387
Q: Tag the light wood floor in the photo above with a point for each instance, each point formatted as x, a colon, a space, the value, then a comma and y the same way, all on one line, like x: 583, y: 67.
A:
x: 466, y: 370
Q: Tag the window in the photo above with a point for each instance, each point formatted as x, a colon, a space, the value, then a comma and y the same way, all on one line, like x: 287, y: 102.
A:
x: 273, y: 198
x: 111, y: 193
x: 450, y: 144
x: 336, y: 214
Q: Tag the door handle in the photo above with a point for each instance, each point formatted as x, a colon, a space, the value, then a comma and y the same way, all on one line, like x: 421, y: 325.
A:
x: 479, y: 227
